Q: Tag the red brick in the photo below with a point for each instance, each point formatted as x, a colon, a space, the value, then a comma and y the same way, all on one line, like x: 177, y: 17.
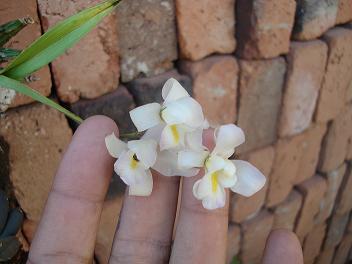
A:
x: 37, y: 136
x: 255, y: 232
x: 285, y: 169
x: 343, y: 249
x: 314, y: 18
x: 335, y: 230
x: 241, y: 207
x: 215, y: 87
x: 263, y: 28
x: 115, y: 105
x: 305, y: 69
x: 205, y: 27
x: 309, y: 152
x: 108, y: 222
x: 91, y: 67
x: 233, y: 242
x: 11, y: 10
x: 325, y: 256
x: 344, y: 12
x: 313, y: 242
x: 147, y: 37
x: 334, y: 179
x: 313, y: 190
x: 334, y: 148
x: 344, y: 201
x: 260, y: 87
x: 337, y: 77
x: 285, y: 213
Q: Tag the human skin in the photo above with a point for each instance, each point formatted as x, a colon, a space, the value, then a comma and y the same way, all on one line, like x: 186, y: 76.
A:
x: 69, y: 224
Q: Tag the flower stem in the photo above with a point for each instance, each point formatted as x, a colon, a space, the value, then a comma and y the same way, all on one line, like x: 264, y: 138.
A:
x: 131, y: 135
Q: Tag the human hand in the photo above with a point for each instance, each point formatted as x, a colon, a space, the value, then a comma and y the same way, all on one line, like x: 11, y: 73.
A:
x: 69, y: 224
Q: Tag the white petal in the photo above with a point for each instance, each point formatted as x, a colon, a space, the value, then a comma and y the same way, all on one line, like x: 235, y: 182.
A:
x: 114, y: 145
x: 172, y: 136
x: 227, y: 137
x: 145, y: 150
x: 216, y: 201
x: 203, y: 187
x: 130, y: 171
x: 144, y: 188
x: 173, y: 90
x: 194, y: 139
x: 249, y: 178
x: 183, y: 111
x: 227, y: 177
x: 166, y: 164
x: 205, y: 124
x: 215, y: 163
x: 192, y: 159
x: 154, y: 132
x: 146, y: 116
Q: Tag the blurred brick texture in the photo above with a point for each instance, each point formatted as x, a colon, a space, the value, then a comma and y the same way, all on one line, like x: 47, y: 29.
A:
x: 280, y: 69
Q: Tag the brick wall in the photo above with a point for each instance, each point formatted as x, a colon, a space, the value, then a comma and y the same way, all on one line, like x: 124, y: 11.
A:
x: 282, y: 70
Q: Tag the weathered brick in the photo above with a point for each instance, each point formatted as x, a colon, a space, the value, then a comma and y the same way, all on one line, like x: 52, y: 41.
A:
x: 285, y: 169
x: 205, y: 27
x: 325, y: 256
x: 115, y: 105
x: 338, y: 74
x: 241, y: 207
x: 343, y: 249
x: 260, y: 87
x: 313, y: 190
x: 313, y: 242
x: 286, y: 212
x: 148, y: 90
x: 344, y: 200
x: 335, y: 143
x: 344, y: 12
x: 91, y: 67
x: 255, y: 232
x: 233, y: 242
x: 109, y: 220
x: 37, y: 136
x: 334, y: 179
x: 263, y: 28
x: 215, y: 87
x: 305, y: 69
x: 335, y: 230
x: 309, y: 151
x: 147, y: 37
x: 11, y: 10
x: 313, y: 18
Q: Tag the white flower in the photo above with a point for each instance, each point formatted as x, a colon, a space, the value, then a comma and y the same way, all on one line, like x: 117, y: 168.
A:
x: 133, y: 162
x: 220, y: 172
x: 179, y: 116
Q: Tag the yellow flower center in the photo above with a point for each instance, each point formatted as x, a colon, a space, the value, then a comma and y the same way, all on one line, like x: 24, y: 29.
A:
x: 175, y: 133
x: 214, y: 181
x: 134, y: 162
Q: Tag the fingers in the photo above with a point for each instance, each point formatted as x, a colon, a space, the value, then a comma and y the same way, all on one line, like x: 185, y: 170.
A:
x: 67, y: 231
x: 146, y: 224
x: 200, y: 233
x: 283, y: 244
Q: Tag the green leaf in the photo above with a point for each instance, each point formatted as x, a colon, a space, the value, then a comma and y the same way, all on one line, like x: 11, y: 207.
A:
x: 6, y: 54
x: 9, y: 83
x: 10, y: 29
x: 57, y: 40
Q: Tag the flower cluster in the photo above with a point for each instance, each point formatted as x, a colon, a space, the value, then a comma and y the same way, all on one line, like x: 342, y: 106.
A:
x: 172, y: 145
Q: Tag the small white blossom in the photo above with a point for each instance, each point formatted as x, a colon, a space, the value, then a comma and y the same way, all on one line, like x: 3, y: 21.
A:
x: 220, y: 172
x: 134, y: 160
x: 178, y: 116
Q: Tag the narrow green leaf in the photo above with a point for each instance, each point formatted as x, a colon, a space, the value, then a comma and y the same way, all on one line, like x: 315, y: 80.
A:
x: 6, y: 54
x: 9, y: 83
x: 57, y: 40
x: 10, y: 29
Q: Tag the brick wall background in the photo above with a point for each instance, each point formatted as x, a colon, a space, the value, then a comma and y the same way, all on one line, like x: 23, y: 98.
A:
x: 280, y: 69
